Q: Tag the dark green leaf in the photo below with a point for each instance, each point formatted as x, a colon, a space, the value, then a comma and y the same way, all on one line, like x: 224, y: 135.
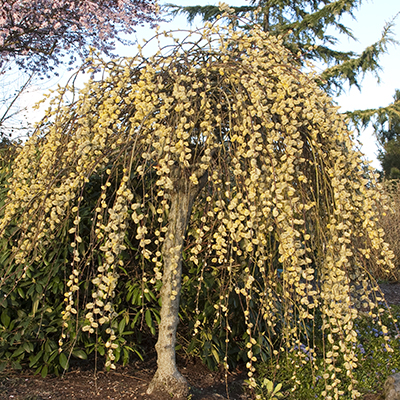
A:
x: 44, y: 371
x: 63, y: 360
x: 18, y: 352
x: 35, y: 307
x: 215, y: 354
x: 35, y: 359
x: 149, y: 322
x: 5, y: 319
x: 28, y: 346
x: 3, y: 365
x: 79, y: 354
x: 101, y: 350
x: 122, y: 325
x: 16, y: 365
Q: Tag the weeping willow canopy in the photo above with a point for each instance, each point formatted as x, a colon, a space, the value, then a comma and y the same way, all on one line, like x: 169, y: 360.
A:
x: 223, y: 132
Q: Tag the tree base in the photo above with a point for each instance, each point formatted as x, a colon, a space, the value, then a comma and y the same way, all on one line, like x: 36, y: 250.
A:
x: 176, y: 386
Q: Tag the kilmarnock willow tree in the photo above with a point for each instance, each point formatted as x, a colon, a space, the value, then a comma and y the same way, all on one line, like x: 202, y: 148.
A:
x: 224, y: 123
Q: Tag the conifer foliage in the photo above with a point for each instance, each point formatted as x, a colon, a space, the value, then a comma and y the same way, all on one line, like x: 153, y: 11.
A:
x: 386, y: 124
x: 387, y: 131
x: 218, y: 141
x: 310, y: 29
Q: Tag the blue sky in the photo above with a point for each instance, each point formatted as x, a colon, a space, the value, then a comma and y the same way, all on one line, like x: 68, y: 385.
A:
x: 371, y: 18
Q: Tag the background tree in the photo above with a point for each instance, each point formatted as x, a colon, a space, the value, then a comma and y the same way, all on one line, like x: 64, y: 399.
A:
x: 224, y: 135
x: 306, y: 28
x: 389, y: 158
x: 13, y: 85
x: 387, y: 131
x: 386, y: 124
x: 38, y: 34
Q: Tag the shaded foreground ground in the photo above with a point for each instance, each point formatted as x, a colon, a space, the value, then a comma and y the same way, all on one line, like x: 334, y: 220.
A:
x: 131, y: 382
x: 126, y: 383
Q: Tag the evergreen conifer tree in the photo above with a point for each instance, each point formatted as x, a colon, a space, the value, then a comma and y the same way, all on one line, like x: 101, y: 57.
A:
x: 387, y: 131
x: 306, y: 27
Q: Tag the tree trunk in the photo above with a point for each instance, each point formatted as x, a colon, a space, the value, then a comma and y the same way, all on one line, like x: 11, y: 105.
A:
x: 167, y: 377
x: 266, y: 17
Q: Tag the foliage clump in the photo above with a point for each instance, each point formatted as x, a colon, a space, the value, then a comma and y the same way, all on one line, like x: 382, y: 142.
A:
x: 221, y: 136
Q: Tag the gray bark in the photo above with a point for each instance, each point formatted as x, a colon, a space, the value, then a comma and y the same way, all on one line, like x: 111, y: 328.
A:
x: 167, y: 377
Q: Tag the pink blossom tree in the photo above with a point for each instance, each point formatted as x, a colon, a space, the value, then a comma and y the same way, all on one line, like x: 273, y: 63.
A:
x: 37, y: 34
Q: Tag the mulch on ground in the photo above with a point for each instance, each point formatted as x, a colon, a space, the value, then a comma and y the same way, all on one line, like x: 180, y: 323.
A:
x: 130, y: 382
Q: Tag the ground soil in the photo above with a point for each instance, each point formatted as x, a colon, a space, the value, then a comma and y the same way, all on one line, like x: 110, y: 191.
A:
x: 130, y: 382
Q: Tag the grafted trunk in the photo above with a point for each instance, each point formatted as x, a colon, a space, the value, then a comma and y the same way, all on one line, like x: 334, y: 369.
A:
x: 167, y: 377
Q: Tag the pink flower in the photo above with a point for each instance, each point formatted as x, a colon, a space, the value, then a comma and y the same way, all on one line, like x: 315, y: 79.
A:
x: 36, y: 24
